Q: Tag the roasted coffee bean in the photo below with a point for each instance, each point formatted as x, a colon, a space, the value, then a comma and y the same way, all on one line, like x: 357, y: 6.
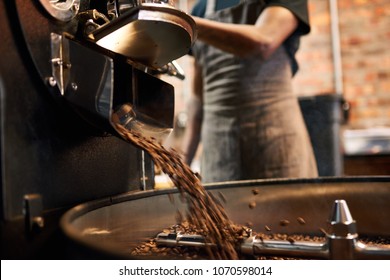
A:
x: 284, y: 223
x: 301, y: 220
x: 291, y: 240
x: 252, y: 205
x: 249, y: 224
x: 267, y: 228
x: 255, y: 191
x: 323, y: 231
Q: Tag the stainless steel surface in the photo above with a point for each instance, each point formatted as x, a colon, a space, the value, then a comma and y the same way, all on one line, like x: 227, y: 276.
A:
x: 63, y: 10
x: 152, y: 34
x: 128, y: 116
x: 126, y: 4
x: 369, y: 141
x: 341, y: 221
x: 177, y: 239
x: 115, y: 226
x: 60, y: 62
x: 299, y: 249
x: 343, y: 234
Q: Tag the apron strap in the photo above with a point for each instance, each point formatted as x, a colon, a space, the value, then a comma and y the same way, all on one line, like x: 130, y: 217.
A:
x: 210, y: 8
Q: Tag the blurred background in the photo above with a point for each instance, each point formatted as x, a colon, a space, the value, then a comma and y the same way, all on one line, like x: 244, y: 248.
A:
x: 343, y: 85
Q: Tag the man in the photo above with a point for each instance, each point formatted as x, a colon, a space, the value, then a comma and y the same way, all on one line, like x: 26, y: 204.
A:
x: 250, y: 121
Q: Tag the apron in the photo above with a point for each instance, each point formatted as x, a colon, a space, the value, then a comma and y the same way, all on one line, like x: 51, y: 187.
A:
x: 252, y: 123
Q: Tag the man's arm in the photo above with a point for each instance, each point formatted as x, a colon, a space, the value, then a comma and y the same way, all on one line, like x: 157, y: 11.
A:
x: 272, y: 27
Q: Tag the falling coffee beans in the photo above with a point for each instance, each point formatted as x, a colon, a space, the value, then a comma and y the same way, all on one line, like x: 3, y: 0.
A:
x: 204, y: 210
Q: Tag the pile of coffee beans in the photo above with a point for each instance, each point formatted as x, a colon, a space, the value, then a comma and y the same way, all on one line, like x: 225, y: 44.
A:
x: 152, y: 249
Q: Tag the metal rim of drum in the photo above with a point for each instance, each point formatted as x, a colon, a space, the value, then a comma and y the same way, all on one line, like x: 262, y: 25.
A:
x: 104, y: 247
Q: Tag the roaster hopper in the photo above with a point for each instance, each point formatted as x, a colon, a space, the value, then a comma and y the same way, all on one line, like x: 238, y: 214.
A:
x: 108, y: 227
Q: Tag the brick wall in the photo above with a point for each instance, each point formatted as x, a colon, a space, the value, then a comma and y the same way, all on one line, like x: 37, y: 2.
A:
x: 315, y: 74
x: 365, y: 55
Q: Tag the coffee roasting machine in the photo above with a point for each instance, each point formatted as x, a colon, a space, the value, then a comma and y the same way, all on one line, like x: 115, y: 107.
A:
x: 71, y: 187
x: 68, y: 67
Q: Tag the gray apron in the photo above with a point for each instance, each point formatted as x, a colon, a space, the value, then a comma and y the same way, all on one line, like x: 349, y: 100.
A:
x: 252, y: 124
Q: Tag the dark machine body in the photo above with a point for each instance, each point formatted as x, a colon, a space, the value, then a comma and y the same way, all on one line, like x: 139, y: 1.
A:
x: 51, y: 157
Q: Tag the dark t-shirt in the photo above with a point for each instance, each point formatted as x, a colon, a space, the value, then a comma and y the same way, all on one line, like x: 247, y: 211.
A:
x: 297, y: 7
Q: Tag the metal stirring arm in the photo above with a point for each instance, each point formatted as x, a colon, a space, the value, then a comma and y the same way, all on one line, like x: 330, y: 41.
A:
x: 173, y: 239
x: 372, y: 252
x: 342, y: 249
x: 256, y: 247
x: 330, y: 249
x: 250, y: 246
x: 340, y: 243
